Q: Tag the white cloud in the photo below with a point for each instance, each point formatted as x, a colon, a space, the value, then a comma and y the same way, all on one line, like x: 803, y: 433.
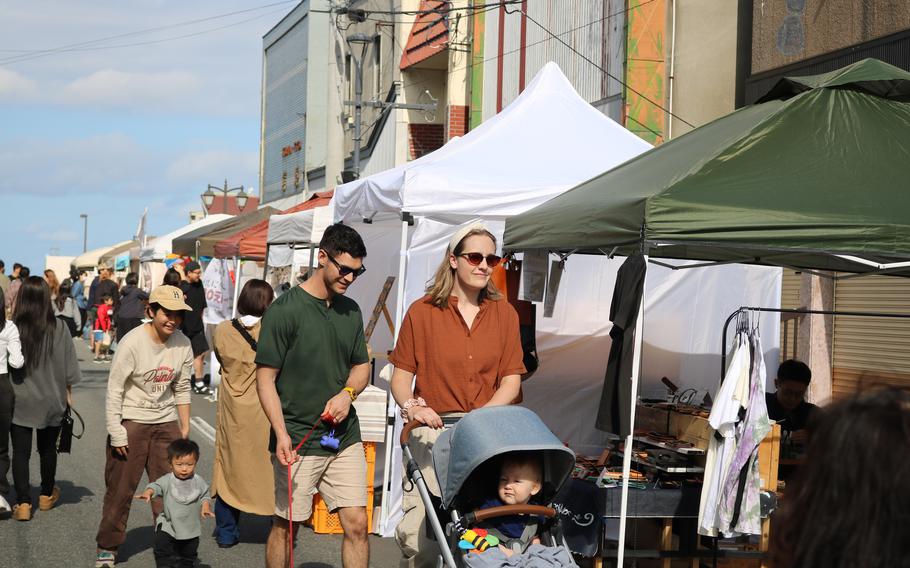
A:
x: 210, y: 166
x: 107, y: 163
x: 15, y: 86
x: 167, y: 91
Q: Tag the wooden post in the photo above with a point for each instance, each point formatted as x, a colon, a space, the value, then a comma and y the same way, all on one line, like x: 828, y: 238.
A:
x: 380, y: 308
x: 666, y: 541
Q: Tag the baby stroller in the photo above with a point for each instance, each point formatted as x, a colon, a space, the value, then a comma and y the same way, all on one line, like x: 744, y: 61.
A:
x: 464, y: 458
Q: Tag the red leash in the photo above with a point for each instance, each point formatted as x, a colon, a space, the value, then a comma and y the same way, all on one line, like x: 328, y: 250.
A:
x: 329, y: 421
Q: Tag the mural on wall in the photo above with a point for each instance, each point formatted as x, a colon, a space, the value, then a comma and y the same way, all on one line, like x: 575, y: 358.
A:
x: 785, y: 32
x: 646, y: 71
x: 477, y: 68
x: 791, y: 39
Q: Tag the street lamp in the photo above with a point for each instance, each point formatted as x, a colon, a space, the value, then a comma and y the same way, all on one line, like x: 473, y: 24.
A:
x: 364, y: 41
x: 84, y: 218
x: 208, y: 198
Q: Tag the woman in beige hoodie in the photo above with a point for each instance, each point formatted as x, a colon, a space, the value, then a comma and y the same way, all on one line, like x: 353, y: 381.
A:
x: 147, y: 407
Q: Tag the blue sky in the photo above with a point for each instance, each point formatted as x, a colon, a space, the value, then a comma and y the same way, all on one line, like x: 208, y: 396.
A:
x: 108, y: 128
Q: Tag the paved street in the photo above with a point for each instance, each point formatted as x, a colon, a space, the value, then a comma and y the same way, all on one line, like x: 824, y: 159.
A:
x: 65, y: 535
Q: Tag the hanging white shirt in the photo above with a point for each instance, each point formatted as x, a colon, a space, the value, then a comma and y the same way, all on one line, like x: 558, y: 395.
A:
x: 723, y: 419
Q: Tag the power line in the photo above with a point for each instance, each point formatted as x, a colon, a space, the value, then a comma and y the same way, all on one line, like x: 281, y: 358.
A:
x: 82, y: 46
x: 517, y: 49
x: 608, y: 74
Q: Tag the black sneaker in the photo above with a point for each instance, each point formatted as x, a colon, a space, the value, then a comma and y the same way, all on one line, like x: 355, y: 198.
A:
x: 201, y: 389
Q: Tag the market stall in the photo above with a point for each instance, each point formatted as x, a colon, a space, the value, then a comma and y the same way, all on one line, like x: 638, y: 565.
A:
x: 201, y: 242
x: 91, y: 260
x: 152, y: 256
x: 123, y: 259
x: 810, y: 177
x: 546, y: 141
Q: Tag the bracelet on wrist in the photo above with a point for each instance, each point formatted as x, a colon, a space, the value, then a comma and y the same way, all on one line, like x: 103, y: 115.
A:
x: 409, y: 404
x: 351, y: 393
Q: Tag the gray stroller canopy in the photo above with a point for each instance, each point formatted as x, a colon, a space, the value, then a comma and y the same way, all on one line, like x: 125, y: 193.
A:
x: 489, y: 432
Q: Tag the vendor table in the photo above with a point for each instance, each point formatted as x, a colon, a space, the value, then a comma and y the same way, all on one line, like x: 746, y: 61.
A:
x: 671, y: 504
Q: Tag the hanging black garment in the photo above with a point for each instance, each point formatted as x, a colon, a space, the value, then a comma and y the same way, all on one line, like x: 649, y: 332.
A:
x: 616, y: 398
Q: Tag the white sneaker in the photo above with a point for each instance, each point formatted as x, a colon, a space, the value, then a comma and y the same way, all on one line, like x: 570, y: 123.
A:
x: 4, y: 505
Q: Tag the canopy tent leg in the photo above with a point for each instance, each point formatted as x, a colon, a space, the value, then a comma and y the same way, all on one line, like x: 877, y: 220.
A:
x: 394, y: 419
x: 627, y: 452
x: 236, y: 285
x: 265, y: 265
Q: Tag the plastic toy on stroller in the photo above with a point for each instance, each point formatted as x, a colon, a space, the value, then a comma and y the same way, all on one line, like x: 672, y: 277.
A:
x: 466, y: 458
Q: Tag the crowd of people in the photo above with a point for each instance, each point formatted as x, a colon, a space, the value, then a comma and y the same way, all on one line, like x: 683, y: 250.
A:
x: 291, y: 369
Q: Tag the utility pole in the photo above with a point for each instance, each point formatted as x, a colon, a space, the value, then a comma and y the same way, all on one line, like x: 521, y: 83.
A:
x: 84, y: 218
x: 364, y: 41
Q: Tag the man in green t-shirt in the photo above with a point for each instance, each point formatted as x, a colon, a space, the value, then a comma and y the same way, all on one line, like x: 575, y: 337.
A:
x: 312, y: 361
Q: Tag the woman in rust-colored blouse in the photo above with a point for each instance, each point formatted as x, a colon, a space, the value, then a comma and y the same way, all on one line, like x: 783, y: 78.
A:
x: 461, y: 342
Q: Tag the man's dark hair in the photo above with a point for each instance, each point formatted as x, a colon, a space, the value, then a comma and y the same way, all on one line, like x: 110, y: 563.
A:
x: 24, y: 272
x: 106, y: 297
x: 793, y: 370
x: 2, y: 266
x: 132, y: 279
x: 340, y: 239
x: 182, y: 447
x: 16, y: 265
x: 255, y: 298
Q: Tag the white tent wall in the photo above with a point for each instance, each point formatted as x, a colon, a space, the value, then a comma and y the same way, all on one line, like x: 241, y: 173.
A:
x: 151, y: 275
x: 684, y: 315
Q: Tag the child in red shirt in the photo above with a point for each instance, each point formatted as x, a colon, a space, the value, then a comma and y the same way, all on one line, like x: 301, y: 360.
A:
x: 102, y: 330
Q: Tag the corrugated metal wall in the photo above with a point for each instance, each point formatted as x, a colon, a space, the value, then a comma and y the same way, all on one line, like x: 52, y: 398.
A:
x: 789, y: 298
x: 284, y: 108
x: 595, y: 28
x: 871, y: 350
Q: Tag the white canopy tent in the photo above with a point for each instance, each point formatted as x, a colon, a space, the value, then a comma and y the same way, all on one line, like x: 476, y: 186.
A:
x: 295, y: 233
x: 91, y: 259
x: 158, y: 248
x: 155, y: 251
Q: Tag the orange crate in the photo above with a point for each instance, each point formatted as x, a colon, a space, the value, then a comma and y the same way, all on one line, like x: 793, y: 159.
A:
x: 324, y: 522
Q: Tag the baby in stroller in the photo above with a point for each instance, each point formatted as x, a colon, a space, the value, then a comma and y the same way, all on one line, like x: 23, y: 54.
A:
x: 491, y: 467
x: 520, y: 480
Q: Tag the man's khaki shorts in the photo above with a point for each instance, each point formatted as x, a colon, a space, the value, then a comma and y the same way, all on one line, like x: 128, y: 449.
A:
x: 340, y: 479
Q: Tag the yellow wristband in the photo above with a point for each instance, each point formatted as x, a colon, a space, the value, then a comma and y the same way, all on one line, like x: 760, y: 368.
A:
x: 350, y: 391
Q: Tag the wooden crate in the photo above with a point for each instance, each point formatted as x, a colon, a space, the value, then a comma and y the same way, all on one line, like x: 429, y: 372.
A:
x: 692, y: 429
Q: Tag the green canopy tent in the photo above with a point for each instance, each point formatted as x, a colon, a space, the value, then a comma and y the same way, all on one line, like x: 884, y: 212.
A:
x: 814, y: 176
x: 202, y: 241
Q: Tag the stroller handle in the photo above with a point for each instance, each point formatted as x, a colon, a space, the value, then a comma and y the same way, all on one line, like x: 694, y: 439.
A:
x: 406, y: 431
x: 471, y: 519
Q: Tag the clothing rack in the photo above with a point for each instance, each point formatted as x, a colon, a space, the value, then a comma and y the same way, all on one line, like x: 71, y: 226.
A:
x: 746, y: 309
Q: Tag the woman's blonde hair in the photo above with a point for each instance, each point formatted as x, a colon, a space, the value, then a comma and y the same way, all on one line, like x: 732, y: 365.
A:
x: 440, y: 287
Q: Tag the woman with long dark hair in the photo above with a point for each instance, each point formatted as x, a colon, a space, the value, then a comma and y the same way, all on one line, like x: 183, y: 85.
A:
x: 65, y: 308
x: 242, y: 428
x: 848, y: 505
x: 10, y: 357
x: 42, y: 393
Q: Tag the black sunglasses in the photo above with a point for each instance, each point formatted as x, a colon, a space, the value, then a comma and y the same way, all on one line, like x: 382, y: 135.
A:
x: 345, y: 270
x: 475, y: 258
